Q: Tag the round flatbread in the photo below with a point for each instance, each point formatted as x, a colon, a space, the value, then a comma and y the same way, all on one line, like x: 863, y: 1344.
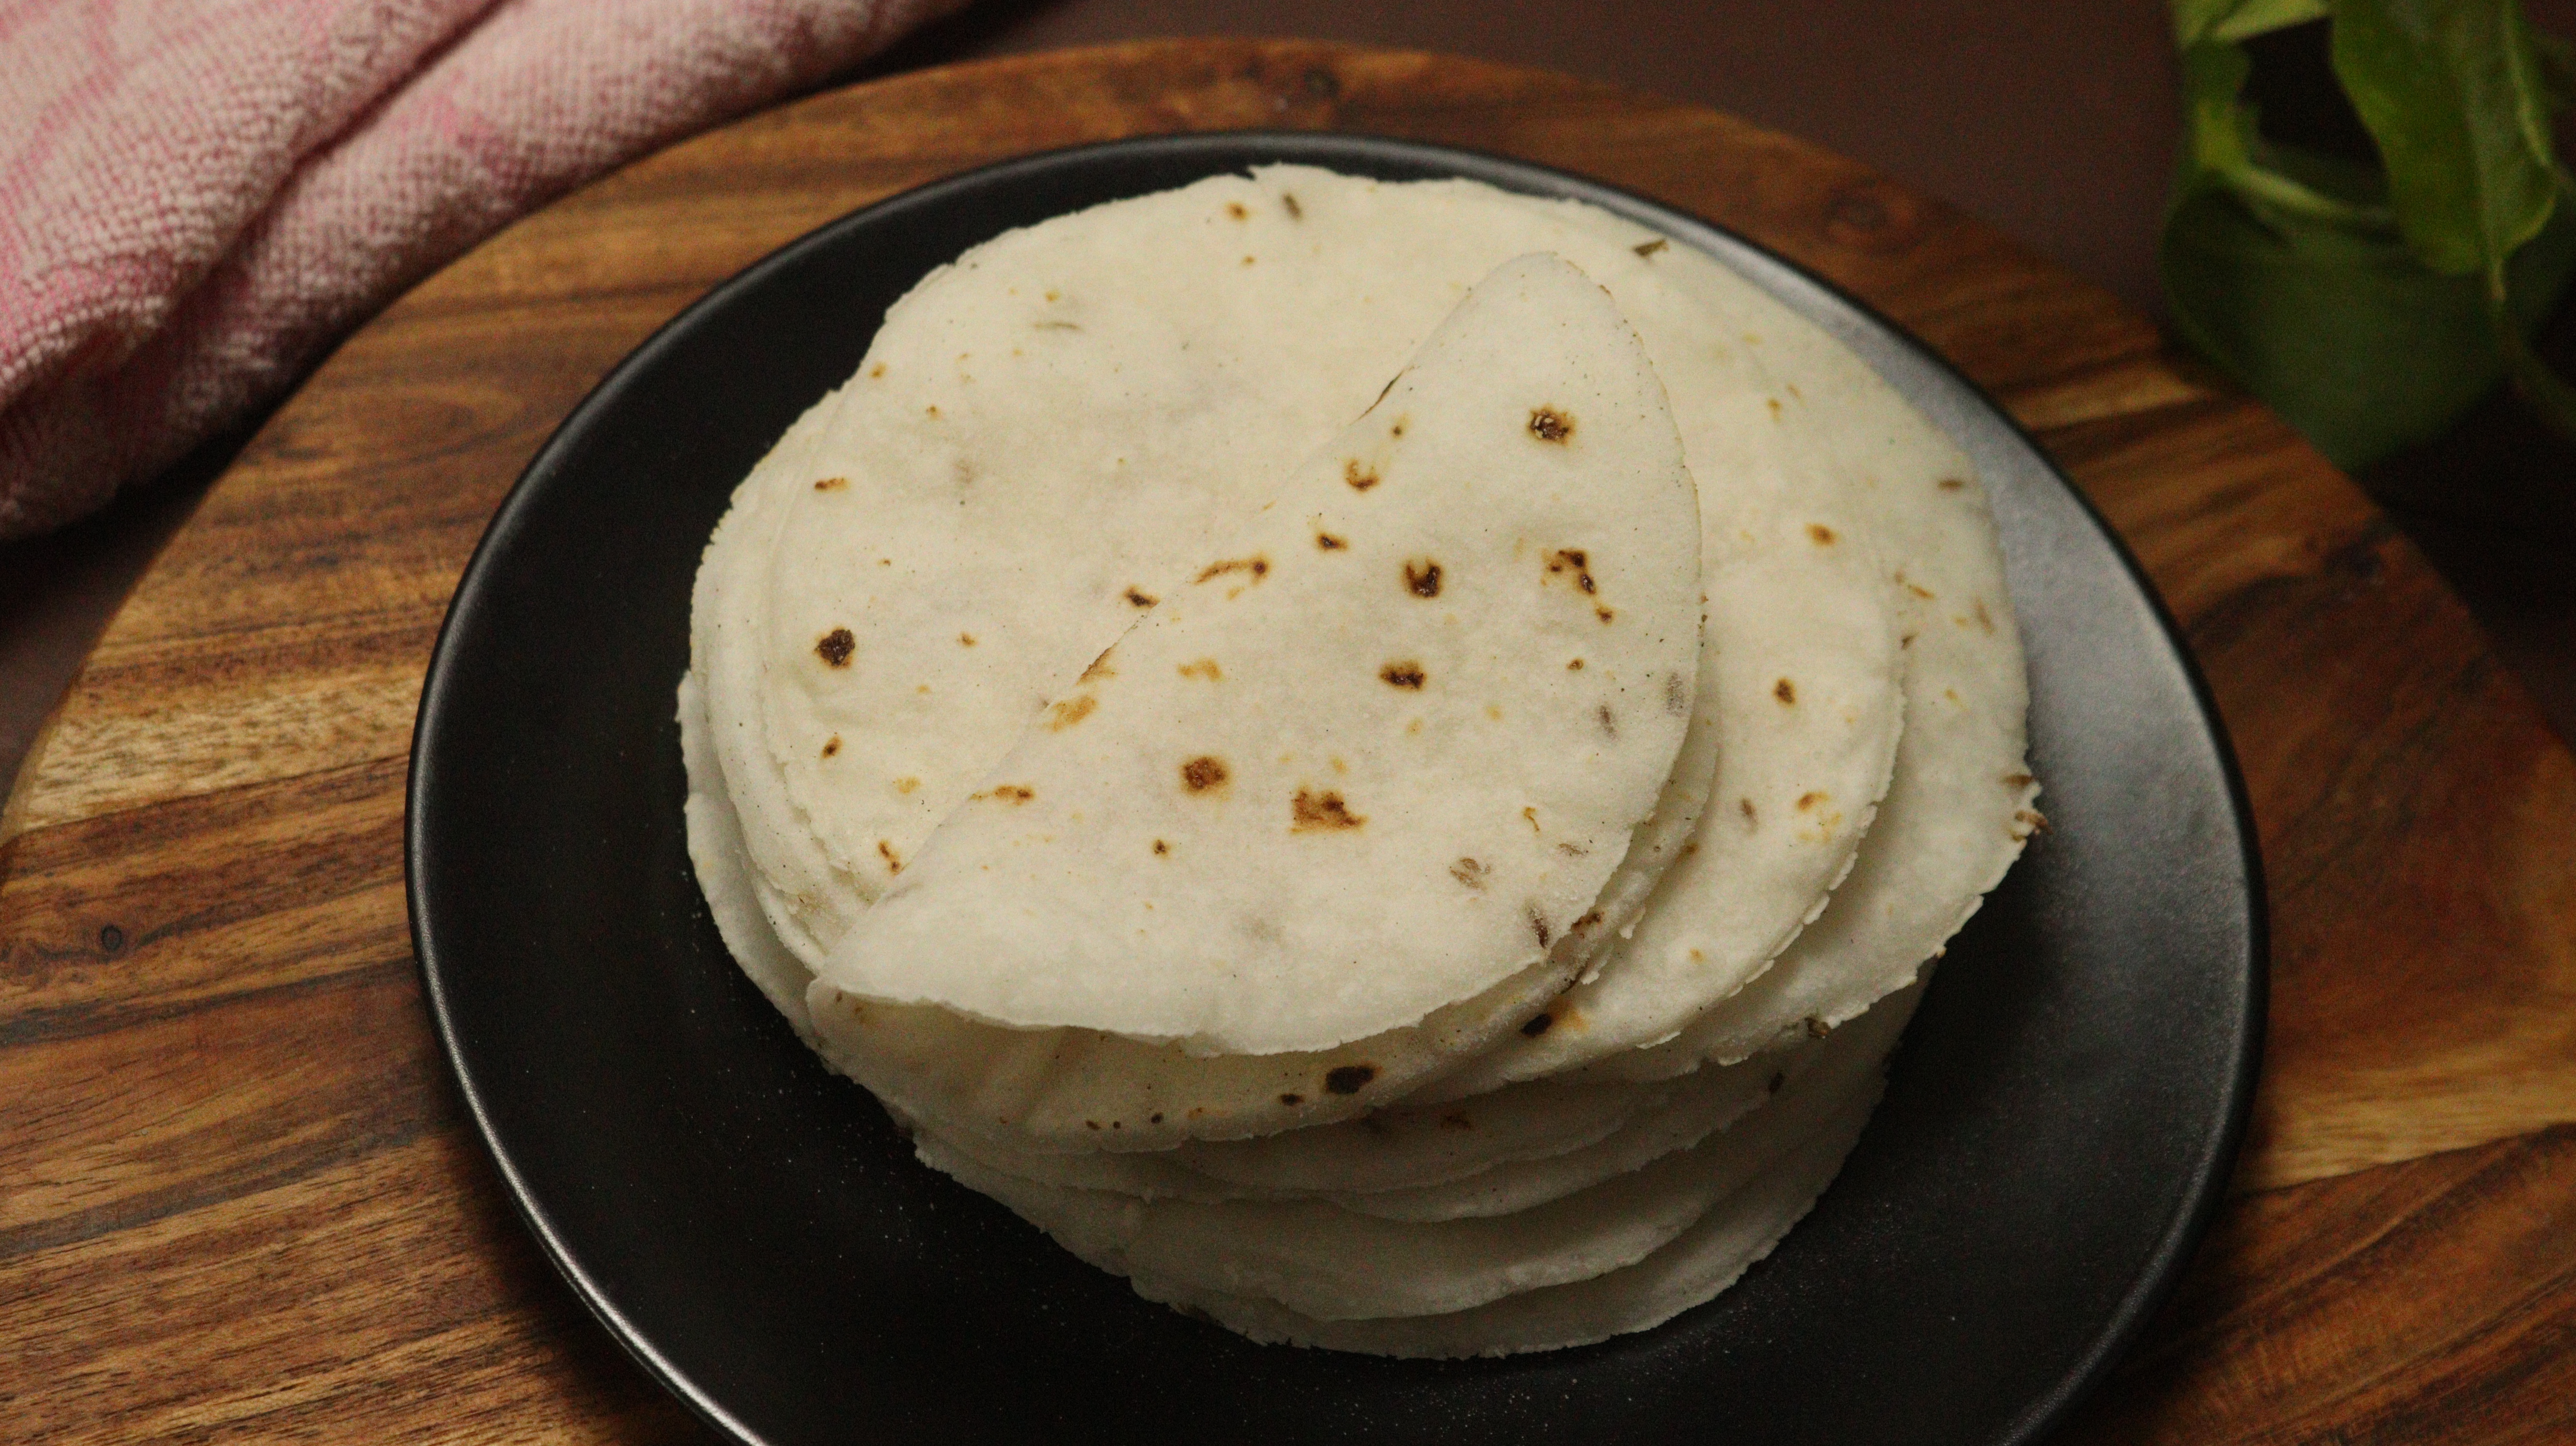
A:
x: 1808, y: 714
x: 1328, y: 1263
x: 1960, y: 809
x: 1728, y: 1239
x: 1379, y: 749
x: 1052, y: 1090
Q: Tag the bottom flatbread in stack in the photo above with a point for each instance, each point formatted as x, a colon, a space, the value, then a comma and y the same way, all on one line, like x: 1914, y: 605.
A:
x: 1384, y: 760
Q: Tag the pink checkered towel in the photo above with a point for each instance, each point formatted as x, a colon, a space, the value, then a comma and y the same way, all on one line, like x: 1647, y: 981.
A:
x: 197, y: 196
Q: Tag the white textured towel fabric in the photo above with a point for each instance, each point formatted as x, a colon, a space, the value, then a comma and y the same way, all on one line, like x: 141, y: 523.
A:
x: 196, y: 199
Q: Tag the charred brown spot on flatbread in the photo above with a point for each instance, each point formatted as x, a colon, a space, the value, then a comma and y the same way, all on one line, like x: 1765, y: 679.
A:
x: 1140, y: 599
x: 1327, y: 542
x: 1469, y: 872
x: 1649, y: 248
x: 1312, y: 810
x: 1785, y: 691
x: 1571, y: 560
x: 1422, y: 577
x: 1349, y: 1079
x: 1401, y: 675
x: 836, y: 646
x: 831, y: 745
x: 894, y: 865
x: 1361, y: 478
x: 831, y: 484
x: 1203, y: 773
x: 1823, y: 535
x: 1071, y: 711
x: 1256, y: 565
x: 1550, y: 425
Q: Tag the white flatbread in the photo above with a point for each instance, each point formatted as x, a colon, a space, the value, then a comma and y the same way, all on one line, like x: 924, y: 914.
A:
x: 1332, y: 1264
x: 1497, y: 1153
x: 1349, y: 274
x: 1691, y: 1270
x: 1697, y: 1106
x: 1960, y: 809
x: 1069, y: 1090
x: 1380, y: 750
x: 1394, y: 1151
x: 1809, y: 714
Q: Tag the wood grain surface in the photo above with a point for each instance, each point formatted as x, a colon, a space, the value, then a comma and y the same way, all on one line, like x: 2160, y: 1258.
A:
x: 238, y: 1200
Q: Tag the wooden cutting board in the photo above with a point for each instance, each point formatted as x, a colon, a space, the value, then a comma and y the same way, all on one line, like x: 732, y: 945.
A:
x: 238, y: 1199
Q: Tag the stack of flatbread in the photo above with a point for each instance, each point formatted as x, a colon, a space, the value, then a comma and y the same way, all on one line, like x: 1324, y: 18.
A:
x: 1385, y: 760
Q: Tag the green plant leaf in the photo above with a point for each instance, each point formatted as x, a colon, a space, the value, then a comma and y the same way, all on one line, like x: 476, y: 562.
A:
x: 2224, y: 144
x: 2233, y: 20
x: 2341, y: 328
x: 2372, y: 307
x: 2451, y: 91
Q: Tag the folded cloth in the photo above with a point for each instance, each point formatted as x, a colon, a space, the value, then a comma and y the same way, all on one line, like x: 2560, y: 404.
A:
x: 197, y: 198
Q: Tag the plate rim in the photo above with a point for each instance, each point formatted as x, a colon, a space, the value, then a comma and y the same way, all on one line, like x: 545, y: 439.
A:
x: 2204, y: 1189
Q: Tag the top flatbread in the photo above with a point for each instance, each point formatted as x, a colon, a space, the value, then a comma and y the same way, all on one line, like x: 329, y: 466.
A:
x: 1380, y: 751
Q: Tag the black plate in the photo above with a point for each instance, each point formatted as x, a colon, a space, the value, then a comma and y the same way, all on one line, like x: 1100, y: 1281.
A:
x: 2059, y: 1129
